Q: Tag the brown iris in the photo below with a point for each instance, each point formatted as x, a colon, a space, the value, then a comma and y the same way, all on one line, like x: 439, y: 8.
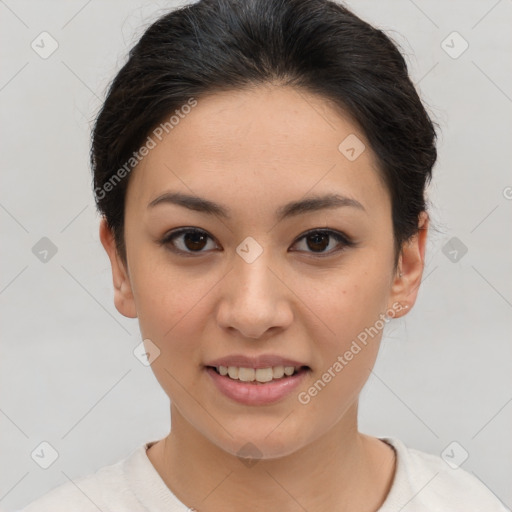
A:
x: 195, y: 241
x: 319, y: 240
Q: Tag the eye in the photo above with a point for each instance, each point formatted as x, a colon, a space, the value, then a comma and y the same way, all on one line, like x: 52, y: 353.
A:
x: 192, y: 241
x: 320, y: 240
x: 186, y: 241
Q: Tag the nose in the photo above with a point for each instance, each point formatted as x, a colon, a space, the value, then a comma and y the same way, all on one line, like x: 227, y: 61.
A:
x: 254, y: 299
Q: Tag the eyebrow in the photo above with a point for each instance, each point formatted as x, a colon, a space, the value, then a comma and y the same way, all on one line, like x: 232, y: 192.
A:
x: 292, y: 209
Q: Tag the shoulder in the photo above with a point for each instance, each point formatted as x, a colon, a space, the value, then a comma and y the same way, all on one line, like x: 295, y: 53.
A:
x: 425, y: 482
x: 90, y: 493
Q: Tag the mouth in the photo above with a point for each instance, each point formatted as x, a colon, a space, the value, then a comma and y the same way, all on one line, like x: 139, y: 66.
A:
x: 259, y: 376
x: 257, y: 386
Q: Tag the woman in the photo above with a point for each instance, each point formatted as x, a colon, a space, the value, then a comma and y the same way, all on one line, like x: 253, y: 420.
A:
x: 260, y: 167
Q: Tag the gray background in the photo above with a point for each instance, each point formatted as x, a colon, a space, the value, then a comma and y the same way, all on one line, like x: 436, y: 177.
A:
x: 68, y: 373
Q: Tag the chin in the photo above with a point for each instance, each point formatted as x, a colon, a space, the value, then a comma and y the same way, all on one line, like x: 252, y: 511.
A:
x: 261, y: 442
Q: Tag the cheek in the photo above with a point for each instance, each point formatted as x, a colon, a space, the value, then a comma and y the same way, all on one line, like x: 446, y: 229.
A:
x: 168, y: 307
x: 350, y: 308
x: 172, y: 305
x: 348, y: 349
x: 344, y: 303
x: 165, y: 295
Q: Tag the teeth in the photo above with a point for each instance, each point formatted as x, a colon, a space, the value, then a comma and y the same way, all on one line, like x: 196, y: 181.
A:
x: 259, y: 375
x: 264, y: 374
x: 246, y: 374
x: 278, y: 372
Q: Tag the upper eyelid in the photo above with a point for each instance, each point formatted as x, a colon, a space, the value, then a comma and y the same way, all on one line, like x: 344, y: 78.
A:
x: 179, y: 231
x: 183, y: 230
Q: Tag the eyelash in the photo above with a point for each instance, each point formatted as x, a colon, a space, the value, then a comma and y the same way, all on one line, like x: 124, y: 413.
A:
x: 339, y: 237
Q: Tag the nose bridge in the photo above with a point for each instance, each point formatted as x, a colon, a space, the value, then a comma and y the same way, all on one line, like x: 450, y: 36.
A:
x: 253, y: 278
x: 251, y: 267
x: 254, y: 300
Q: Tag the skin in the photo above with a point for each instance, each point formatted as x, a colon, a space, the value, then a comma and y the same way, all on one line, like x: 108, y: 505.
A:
x: 253, y: 151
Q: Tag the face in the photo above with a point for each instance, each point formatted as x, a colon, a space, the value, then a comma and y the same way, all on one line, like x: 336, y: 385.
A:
x: 254, y: 278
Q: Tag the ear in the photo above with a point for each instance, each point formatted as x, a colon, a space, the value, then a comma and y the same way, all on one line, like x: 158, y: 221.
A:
x: 123, y: 296
x: 411, y: 262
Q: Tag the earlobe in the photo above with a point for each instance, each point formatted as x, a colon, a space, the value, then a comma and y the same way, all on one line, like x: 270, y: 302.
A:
x: 123, y: 295
x: 411, y: 263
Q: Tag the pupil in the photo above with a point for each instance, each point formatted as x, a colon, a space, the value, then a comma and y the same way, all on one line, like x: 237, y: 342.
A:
x: 315, y: 238
x: 196, y: 239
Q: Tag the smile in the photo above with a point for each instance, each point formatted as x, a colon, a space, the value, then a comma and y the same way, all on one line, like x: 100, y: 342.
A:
x: 261, y: 375
x: 250, y: 386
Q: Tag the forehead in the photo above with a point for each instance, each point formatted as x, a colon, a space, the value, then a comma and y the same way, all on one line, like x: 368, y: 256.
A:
x: 259, y: 146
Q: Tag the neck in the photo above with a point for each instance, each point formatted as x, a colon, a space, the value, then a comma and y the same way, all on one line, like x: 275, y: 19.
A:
x: 341, y: 470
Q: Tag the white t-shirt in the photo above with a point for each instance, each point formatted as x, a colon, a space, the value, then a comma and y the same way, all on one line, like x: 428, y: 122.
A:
x: 422, y: 483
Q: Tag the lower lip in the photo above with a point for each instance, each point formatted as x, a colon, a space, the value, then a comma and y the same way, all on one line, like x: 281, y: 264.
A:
x: 253, y: 393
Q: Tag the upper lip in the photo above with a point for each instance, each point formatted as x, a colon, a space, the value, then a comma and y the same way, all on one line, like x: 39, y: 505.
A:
x: 262, y: 361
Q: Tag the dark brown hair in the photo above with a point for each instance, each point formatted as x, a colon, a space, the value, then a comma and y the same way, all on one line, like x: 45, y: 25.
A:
x: 316, y: 45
